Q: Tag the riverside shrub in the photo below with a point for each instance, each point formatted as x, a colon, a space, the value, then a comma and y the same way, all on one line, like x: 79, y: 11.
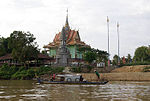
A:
x: 23, y: 73
x: 76, y: 69
x: 136, y: 63
x: 6, y: 71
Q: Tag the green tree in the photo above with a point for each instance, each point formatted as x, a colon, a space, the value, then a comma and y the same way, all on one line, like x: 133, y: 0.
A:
x: 115, y: 60
x: 142, y: 54
x: 129, y: 58
x: 4, y: 49
x: 44, y: 52
x: 89, y: 56
x: 102, y: 56
x: 23, y: 46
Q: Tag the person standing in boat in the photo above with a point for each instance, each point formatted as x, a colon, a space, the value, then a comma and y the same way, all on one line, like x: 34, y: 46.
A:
x: 97, y: 74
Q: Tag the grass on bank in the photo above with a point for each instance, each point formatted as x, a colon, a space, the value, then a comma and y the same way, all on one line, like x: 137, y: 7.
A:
x: 135, y: 63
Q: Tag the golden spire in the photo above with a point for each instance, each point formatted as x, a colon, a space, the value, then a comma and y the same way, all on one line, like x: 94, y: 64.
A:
x: 67, y: 23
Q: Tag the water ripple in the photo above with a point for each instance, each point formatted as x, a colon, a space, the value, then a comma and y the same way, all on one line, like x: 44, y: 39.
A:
x: 113, y: 91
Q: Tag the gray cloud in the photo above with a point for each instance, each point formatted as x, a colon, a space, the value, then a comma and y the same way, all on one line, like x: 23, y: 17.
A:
x: 25, y: 4
x: 45, y: 18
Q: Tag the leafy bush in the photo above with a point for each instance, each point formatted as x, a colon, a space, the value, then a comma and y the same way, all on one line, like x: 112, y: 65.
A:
x: 6, y: 71
x: 76, y: 69
x: 89, y: 67
x: 57, y: 70
x: 20, y: 75
x: 23, y: 73
x: 43, y: 70
x: 12, y: 72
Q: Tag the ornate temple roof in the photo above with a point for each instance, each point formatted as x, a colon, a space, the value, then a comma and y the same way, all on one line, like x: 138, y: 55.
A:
x: 72, y: 37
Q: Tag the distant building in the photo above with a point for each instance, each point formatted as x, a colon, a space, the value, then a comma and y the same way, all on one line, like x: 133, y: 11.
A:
x: 101, y: 64
x: 40, y: 61
x: 72, y: 41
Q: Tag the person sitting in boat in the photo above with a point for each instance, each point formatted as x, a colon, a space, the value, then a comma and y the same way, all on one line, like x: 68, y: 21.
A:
x: 97, y: 74
x: 53, y: 77
x: 38, y: 79
x: 81, y: 78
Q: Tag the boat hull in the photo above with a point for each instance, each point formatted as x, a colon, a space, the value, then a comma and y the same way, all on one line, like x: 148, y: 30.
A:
x: 82, y: 83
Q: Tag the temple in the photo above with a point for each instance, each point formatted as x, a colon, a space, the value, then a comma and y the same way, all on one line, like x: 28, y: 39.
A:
x: 72, y: 42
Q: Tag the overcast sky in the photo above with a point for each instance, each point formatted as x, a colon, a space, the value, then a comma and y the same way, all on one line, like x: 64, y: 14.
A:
x: 45, y: 18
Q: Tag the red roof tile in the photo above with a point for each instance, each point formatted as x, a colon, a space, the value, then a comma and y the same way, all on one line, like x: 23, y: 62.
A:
x: 73, y: 38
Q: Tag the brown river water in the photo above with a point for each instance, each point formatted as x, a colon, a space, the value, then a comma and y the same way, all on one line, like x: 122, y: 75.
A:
x: 28, y: 90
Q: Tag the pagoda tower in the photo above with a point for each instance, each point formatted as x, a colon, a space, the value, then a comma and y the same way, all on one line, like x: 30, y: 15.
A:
x: 63, y: 54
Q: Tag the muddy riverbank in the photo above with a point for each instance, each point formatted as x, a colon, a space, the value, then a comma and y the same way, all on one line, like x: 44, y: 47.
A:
x: 124, y: 76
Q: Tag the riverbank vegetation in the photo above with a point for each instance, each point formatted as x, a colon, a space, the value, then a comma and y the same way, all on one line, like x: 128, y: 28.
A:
x: 141, y: 57
x: 23, y: 73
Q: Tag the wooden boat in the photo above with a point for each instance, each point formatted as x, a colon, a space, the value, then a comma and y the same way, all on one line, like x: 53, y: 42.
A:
x: 70, y: 79
x: 73, y: 82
